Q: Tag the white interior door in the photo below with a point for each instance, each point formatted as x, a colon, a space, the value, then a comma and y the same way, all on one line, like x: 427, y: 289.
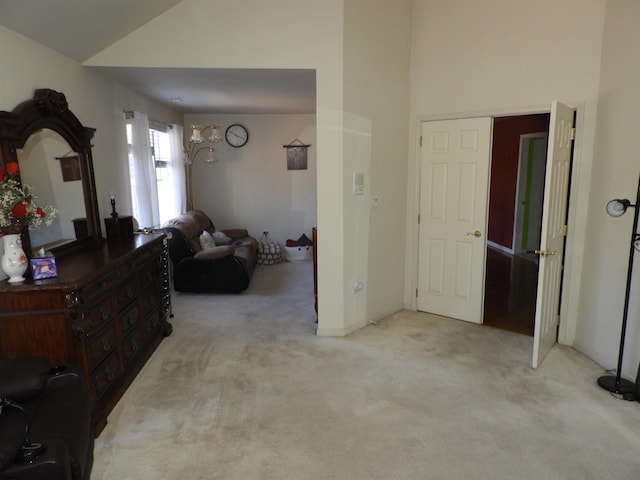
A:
x: 453, y: 217
x: 553, y: 230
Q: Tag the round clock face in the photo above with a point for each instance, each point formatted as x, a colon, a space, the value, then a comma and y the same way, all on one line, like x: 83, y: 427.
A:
x: 236, y: 135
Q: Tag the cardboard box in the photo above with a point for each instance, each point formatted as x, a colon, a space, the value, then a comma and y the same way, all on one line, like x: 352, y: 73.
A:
x: 43, y: 267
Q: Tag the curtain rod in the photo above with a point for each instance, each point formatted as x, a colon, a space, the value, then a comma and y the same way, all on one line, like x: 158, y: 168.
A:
x: 130, y: 114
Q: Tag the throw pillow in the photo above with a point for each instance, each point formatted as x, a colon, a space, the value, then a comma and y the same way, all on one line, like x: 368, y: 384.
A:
x: 220, y: 238
x: 206, y: 240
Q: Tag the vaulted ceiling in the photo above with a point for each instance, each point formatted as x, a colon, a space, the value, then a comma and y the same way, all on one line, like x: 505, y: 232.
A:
x: 79, y: 29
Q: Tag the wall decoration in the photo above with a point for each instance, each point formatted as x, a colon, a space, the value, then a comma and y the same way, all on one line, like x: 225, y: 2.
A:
x: 296, y: 155
x: 70, y: 167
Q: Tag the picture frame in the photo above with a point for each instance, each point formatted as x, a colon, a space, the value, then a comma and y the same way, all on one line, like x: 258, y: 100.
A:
x: 70, y: 167
x: 297, y: 155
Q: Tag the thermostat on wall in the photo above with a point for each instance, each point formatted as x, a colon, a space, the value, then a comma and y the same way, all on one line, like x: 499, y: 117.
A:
x: 358, y: 183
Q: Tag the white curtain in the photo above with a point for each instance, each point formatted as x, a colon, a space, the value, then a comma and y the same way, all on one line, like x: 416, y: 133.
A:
x: 144, y: 189
x: 177, y: 170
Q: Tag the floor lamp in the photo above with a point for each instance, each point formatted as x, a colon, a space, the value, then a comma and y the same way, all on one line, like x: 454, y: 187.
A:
x: 616, y: 384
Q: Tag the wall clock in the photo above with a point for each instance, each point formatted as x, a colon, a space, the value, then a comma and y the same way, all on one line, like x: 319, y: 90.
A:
x: 236, y: 135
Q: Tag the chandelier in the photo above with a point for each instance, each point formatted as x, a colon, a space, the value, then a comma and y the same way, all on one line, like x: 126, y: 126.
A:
x: 197, y: 144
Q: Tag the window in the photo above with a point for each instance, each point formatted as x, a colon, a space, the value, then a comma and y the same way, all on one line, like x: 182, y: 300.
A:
x: 160, y: 154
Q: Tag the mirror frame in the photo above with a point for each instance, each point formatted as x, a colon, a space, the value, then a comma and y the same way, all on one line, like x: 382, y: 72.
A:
x: 49, y: 109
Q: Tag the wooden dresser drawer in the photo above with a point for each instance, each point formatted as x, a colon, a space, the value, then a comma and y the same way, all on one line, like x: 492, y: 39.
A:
x: 126, y: 292
x: 151, y: 298
x: 129, y: 319
x: 98, y: 287
x: 105, y: 376
x: 153, y: 320
x: 99, y: 315
x: 132, y: 345
x: 101, y: 344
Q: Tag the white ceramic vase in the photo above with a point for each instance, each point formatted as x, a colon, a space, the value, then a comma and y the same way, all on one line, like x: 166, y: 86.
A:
x: 14, y: 261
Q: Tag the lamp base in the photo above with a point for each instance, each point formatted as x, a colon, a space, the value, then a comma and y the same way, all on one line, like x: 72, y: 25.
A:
x: 623, y: 387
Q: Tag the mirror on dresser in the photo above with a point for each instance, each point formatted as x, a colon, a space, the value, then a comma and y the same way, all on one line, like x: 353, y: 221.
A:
x: 53, y: 150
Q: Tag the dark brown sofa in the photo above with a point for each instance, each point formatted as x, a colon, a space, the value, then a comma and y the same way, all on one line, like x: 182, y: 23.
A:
x: 224, y: 266
x: 45, y: 424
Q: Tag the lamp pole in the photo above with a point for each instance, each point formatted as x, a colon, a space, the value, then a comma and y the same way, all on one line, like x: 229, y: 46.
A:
x: 191, y: 152
x: 617, y: 384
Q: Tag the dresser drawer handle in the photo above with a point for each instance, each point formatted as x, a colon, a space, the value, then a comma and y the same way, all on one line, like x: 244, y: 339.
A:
x: 104, y: 313
x: 133, y: 320
x: 109, y: 374
x: 129, y: 292
x: 106, y: 345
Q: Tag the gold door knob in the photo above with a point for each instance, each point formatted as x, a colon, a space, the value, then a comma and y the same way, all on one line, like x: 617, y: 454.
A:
x: 474, y: 234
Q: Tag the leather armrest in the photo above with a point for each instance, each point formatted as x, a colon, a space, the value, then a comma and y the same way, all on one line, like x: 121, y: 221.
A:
x: 23, y: 378
x: 64, y: 376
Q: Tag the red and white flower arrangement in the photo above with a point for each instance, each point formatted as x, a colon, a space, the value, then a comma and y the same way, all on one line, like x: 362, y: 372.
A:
x: 18, y: 209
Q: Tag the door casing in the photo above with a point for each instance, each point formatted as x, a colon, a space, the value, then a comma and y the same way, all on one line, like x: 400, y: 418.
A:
x: 578, y: 186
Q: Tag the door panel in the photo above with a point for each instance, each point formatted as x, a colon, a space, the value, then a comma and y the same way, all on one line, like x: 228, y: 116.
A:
x: 453, y: 207
x: 553, y: 230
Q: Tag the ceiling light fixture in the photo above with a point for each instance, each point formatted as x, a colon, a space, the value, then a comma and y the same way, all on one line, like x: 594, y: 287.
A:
x: 195, y: 146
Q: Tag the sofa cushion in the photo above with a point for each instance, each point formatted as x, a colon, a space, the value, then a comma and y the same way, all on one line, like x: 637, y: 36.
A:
x: 215, y: 252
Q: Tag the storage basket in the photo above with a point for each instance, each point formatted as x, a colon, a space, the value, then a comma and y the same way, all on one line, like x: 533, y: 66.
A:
x: 269, y: 253
x: 298, y: 253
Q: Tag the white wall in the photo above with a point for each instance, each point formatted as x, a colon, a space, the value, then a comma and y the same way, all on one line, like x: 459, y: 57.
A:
x: 616, y: 167
x: 250, y: 187
x: 502, y: 56
x: 96, y: 101
x: 259, y: 34
x: 377, y: 44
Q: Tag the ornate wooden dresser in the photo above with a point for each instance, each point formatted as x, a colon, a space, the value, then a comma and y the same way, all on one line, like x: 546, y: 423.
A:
x: 106, y: 312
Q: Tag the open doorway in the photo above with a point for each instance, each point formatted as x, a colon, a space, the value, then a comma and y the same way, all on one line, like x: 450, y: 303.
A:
x: 515, y: 212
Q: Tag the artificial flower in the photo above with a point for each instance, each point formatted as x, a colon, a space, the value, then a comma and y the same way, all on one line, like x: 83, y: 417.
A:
x: 18, y: 209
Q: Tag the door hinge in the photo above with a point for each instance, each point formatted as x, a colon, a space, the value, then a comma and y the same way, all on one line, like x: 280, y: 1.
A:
x: 557, y: 320
x: 418, y: 219
x: 573, y: 133
x: 416, y: 292
x: 420, y: 140
x: 565, y: 230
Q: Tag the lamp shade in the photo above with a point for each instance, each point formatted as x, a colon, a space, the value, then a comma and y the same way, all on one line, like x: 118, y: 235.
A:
x: 617, y: 207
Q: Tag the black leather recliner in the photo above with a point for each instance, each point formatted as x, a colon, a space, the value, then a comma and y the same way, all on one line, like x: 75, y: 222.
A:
x: 45, y: 422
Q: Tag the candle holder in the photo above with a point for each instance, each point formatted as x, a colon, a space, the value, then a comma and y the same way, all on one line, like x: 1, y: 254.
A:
x: 113, y: 207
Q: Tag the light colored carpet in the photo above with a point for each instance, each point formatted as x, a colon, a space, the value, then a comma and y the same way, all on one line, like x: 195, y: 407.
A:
x: 243, y: 389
